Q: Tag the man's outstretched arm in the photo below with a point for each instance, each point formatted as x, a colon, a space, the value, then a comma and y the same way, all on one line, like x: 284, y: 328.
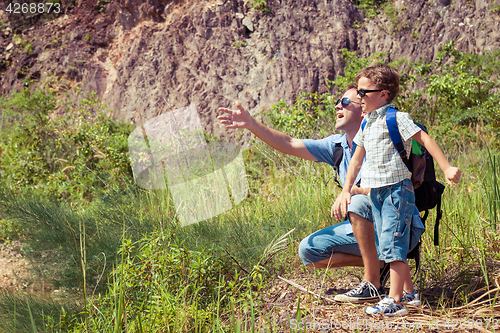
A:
x: 241, y: 118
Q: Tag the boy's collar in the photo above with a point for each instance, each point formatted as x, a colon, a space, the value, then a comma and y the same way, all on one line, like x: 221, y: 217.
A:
x: 380, y: 111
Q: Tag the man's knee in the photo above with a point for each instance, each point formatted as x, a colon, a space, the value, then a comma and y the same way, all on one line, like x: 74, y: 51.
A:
x: 304, y: 250
x: 360, y: 210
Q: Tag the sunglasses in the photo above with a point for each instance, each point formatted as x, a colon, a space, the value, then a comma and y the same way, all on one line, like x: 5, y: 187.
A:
x: 363, y: 92
x: 345, y: 102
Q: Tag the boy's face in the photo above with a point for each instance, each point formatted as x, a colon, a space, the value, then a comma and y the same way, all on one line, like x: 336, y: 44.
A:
x: 372, y: 100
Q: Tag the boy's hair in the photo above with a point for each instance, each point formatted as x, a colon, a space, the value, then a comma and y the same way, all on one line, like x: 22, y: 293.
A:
x: 383, y: 77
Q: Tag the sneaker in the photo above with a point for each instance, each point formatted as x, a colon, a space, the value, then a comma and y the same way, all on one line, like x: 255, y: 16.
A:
x: 365, y: 292
x: 411, y: 299
x: 387, y: 307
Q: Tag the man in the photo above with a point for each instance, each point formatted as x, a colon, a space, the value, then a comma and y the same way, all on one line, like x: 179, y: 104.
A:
x: 337, y: 245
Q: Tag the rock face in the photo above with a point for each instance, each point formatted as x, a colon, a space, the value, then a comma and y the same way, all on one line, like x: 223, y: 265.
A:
x: 150, y: 57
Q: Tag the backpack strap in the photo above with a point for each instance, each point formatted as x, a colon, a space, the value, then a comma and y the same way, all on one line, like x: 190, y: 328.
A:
x: 338, y: 154
x: 439, y: 215
x: 392, y: 125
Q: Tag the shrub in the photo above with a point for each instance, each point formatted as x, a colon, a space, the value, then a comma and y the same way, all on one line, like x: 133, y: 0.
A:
x: 74, y: 157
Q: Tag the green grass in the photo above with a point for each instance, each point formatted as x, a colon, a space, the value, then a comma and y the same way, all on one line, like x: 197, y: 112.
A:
x: 188, y: 279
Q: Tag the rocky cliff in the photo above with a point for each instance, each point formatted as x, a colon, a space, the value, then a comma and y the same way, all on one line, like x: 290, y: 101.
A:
x: 150, y: 57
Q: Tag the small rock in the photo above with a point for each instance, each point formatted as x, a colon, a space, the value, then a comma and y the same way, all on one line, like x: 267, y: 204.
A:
x: 240, y: 15
x: 248, y: 23
x: 10, y: 46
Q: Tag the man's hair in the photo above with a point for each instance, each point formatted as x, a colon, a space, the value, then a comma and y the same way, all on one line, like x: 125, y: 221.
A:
x: 383, y: 77
x: 349, y: 87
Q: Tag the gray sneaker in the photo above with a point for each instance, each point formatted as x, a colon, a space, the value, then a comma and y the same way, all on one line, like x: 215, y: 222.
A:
x: 365, y: 292
x: 411, y: 299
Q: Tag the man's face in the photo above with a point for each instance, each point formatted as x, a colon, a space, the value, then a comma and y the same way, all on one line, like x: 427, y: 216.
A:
x: 372, y: 100
x: 349, y: 117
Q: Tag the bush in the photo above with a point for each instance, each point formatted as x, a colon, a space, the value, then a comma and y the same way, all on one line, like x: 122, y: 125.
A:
x: 311, y: 116
x: 73, y: 158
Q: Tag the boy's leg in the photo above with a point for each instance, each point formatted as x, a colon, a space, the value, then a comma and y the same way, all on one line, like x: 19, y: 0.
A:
x: 408, y: 283
x: 393, y: 206
x: 398, y: 279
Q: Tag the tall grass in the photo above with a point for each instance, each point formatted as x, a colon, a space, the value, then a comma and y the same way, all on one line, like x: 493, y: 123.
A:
x: 210, y: 276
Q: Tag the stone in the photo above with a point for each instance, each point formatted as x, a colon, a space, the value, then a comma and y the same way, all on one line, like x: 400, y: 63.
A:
x: 247, y: 22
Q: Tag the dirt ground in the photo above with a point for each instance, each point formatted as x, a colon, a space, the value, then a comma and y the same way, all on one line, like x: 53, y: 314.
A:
x: 15, y: 271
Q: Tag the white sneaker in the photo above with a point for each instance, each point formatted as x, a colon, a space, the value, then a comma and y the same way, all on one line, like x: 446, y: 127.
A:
x: 387, y: 307
x: 411, y: 299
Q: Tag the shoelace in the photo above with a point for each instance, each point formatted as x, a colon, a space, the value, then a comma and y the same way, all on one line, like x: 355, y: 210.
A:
x: 373, y: 291
x: 359, y: 289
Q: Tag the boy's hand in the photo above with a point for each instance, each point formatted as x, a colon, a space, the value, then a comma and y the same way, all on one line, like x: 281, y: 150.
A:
x: 240, y: 118
x: 339, y: 208
x: 452, y: 174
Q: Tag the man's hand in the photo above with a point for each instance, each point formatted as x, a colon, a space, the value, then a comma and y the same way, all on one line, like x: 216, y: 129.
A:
x: 452, y: 174
x: 240, y: 118
x: 339, y: 208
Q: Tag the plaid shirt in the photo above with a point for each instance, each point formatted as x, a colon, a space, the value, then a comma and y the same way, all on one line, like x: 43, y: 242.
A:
x: 383, y: 165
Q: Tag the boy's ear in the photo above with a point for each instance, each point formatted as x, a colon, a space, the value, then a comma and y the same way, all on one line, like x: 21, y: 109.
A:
x: 386, y: 94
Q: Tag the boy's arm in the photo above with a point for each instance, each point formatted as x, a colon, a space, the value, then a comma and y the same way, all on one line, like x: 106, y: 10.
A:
x: 241, y: 118
x: 339, y: 208
x: 451, y: 173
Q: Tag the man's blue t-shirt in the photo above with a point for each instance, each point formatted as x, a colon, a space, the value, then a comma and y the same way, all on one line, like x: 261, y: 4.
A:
x: 322, y: 150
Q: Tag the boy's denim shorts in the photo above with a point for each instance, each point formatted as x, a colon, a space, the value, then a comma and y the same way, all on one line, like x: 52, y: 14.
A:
x: 323, y: 243
x: 392, y: 208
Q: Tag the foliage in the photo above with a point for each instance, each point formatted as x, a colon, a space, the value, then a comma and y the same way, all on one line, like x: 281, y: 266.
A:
x: 101, y: 5
x: 462, y: 87
x: 74, y: 157
x: 491, y: 189
x: 68, y: 237
x: 495, y: 7
x: 239, y: 44
x: 260, y: 5
x: 370, y: 8
x: 311, y: 116
x: 46, y: 312
x: 392, y: 13
x: 451, y: 96
x: 168, y: 288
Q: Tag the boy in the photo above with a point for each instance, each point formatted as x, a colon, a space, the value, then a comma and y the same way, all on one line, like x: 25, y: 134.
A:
x: 392, y: 194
